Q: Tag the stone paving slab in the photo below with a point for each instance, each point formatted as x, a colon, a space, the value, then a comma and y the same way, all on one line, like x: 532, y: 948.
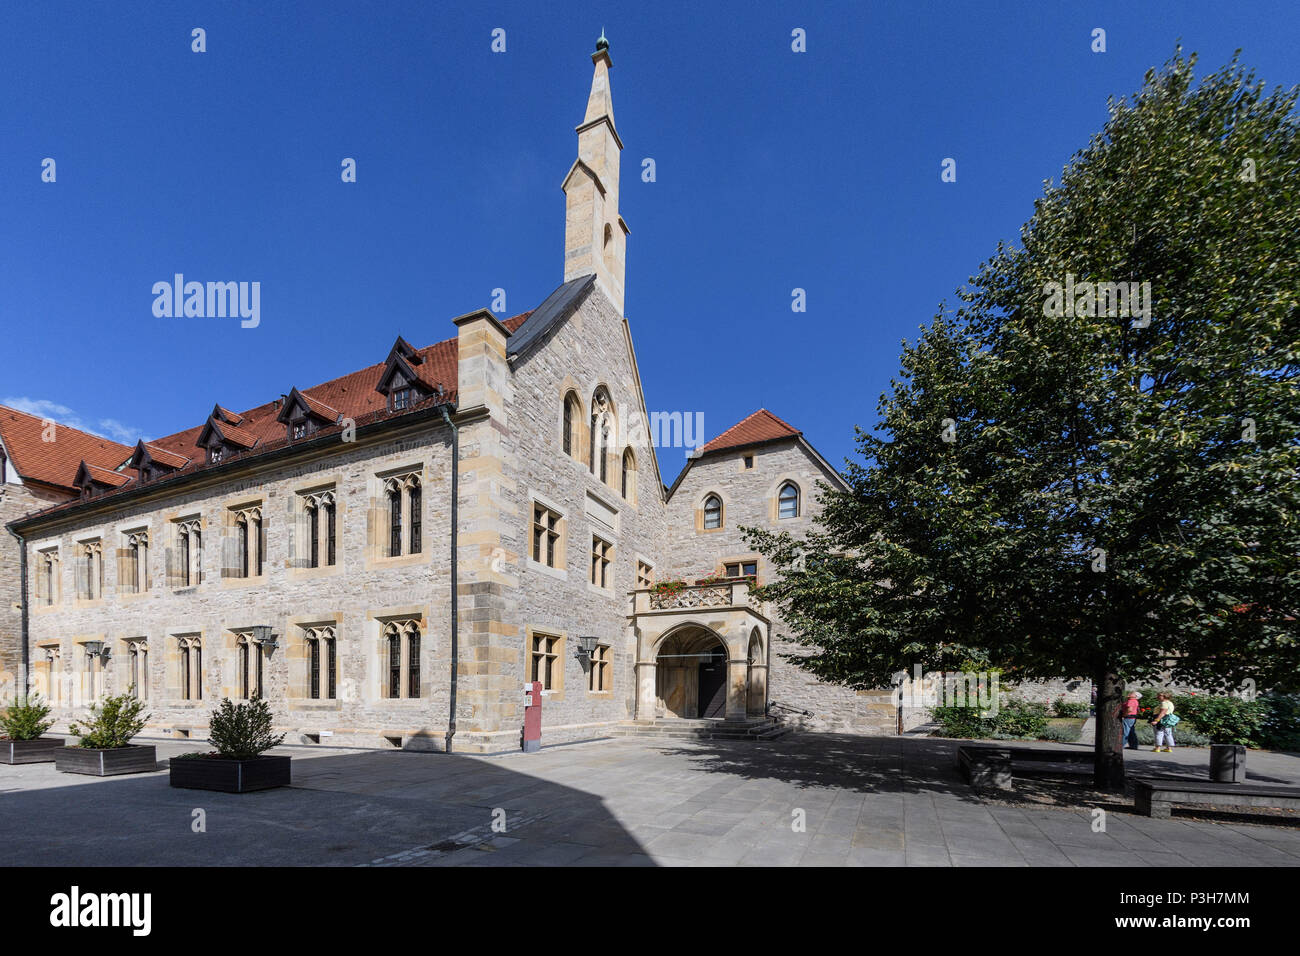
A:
x: 807, y: 800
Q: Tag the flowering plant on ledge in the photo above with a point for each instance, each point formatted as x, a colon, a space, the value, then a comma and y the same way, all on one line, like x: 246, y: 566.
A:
x: 668, y: 588
x: 750, y: 579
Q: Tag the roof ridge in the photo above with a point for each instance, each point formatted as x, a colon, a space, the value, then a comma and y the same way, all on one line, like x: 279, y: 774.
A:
x: 749, y: 432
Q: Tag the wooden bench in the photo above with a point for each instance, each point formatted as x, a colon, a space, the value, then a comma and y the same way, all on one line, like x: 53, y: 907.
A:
x: 1156, y: 796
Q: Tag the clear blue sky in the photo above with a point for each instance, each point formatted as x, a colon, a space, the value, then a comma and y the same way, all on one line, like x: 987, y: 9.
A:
x: 775, y: 170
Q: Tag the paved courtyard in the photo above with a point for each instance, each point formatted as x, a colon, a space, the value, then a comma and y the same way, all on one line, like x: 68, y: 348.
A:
x: 627, y: 801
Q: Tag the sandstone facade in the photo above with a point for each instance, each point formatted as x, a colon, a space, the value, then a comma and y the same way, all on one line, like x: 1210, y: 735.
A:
x: 561, y: 523
x: 16, y: 500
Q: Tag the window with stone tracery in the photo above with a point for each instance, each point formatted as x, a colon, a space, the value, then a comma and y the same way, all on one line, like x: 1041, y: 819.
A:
x: 49, y: 673
x: 318, y: 533
x: 245, y: 545
x: 404, y: 505
x: 401, y: 649
x: 137, y: 667
x: 185, y: 558
x: 90, y: 570
x: 133, y: 565
x: 47, y: 569
x: 250, y: 659
x: 189, y: 666
x: 570, y: 429
x: 322, y: 662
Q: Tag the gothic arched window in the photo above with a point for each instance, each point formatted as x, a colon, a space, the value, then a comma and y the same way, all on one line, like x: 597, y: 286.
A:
x: 712, y: 512
x: 787, y: 501
x: 629, y: 475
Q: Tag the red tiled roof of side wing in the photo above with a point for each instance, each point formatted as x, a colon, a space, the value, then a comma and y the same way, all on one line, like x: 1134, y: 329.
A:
x: 353, y: 395
x: 54, y: 462
x: 762, y: 426
x: 350, y: 396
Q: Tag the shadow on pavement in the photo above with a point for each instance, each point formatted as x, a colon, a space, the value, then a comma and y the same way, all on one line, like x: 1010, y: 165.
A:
x: 345, y: 809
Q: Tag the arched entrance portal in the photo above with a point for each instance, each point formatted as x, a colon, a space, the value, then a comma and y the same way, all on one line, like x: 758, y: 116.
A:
x: 691, y: 674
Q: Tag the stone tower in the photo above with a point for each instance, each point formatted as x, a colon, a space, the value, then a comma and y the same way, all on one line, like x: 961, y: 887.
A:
x: 595, y: 235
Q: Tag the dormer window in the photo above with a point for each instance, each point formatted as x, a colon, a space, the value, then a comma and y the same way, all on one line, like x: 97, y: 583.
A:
x: 215, y: 454
x: 405, y: 380
x: 304, y: 416
x: 91, y: 480
x: 150, y: 462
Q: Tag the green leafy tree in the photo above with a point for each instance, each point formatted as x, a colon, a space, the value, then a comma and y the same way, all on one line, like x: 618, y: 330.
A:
x: 1092, y: 494
x: 113, y: 722
x: 242, y: 731
x: 25, y: 719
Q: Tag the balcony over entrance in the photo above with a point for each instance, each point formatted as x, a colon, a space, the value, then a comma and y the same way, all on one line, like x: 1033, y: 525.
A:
x: 702, y: 652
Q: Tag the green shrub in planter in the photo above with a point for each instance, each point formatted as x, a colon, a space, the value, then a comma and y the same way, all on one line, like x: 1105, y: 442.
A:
x: 964, y: 722
x: 25, y: 719
x: 113, y: 722
x: 1225, y: 720
x: 242, y: 731
x: 1021, y: 718
x: 1015, y: 720
x: 1070, y: 708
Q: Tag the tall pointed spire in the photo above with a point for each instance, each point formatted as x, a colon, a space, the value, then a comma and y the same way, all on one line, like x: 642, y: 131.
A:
x: 595, y: 235
x: 600, y: 103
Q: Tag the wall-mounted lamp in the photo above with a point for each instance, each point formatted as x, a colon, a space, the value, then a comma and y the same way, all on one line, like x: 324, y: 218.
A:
x: 586, y: 645
x: 262, y: 635
x: 94, y: 648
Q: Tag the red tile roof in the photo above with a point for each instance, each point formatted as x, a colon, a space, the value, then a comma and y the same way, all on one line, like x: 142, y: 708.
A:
x: 165, y: 457
x: 54, y: 462
x: 240, y: 436
x: 762, y: 426
x: 104, y: 476
x: 317, y: 407
x: 352, y: 395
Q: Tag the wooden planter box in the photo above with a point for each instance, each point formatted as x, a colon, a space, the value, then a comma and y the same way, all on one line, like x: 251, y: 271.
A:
x: 133, y: 758
x: 229, y: 775
x: 40, y: 750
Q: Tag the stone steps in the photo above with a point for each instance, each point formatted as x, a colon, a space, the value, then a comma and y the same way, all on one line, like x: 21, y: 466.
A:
x: 763, y: 728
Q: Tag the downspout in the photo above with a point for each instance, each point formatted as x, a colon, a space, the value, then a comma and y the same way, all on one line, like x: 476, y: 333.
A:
x: 455, y: 611
x: 21, y: 691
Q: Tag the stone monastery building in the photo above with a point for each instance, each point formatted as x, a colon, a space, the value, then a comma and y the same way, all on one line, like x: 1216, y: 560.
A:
x: 487, y: 507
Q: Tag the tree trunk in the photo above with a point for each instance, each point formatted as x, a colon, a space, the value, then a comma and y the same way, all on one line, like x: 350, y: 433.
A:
x: 1108, y: 746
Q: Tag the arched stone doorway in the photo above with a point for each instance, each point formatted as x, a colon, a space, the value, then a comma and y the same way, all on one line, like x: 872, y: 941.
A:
x: 691, y: 674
